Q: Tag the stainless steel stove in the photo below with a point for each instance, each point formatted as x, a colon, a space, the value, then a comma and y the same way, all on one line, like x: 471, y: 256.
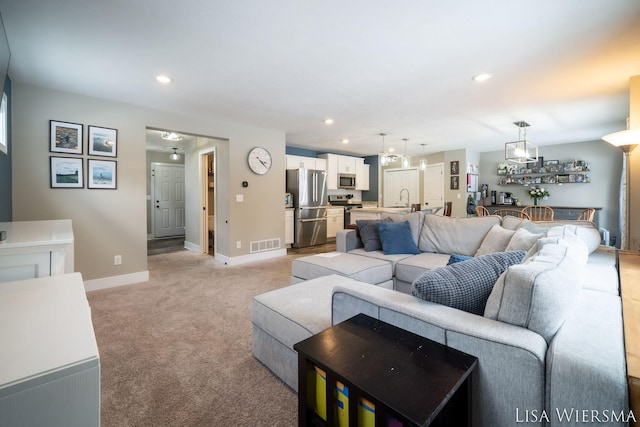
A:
x: 347, y: 201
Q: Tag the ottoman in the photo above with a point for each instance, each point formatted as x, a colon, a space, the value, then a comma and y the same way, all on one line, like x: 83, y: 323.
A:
x: 285, y: 316
x: 365, y: 269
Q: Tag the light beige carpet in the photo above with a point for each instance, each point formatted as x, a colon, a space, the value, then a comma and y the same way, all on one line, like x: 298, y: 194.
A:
x: 176, y: 351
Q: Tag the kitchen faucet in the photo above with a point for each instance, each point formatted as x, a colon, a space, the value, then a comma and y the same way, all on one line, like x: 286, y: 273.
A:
x: 407, y: 190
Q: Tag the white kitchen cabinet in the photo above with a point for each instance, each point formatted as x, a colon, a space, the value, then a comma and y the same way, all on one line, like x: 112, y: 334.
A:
x: 36, y: 249
x: 302, y: 162
x: 358, y: 214
x: 288, y: 226
x: 332, y: 170
x: 362, y: 176
x: 49, y: 363
x: 335, y: 221
x: 347, y: 164
x: 337, y: 164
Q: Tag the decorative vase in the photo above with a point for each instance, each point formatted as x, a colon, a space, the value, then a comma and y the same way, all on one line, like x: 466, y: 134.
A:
x: 536, y: 201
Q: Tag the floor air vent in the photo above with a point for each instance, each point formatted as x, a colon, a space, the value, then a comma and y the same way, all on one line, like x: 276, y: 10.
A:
x: 265, y: 245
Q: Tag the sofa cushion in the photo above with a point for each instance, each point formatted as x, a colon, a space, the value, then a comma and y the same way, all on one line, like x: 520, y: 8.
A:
x: 465, y: 285
x: 396, y: 238
x: 496, y: 240
x: 523, y: 240
x: 588, y: 234
x: 415, y: 222
x: 584, y: 230
x: 414, y: 266
x: 511, y: 222
x: 539, y: 293
x: 368, y: 229
x: 450, y: 235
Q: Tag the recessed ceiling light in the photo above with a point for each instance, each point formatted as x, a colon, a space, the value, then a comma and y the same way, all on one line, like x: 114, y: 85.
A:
x: 163, y: 79
x: 483, y: 77
x: 345, y: 141
x: 328, y: 121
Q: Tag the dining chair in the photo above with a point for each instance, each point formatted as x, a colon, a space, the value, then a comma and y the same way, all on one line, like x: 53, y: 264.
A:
x: 447, y: 209
x: 586, y: 215
x: 482, y: 211
x: 512, y: 212
x: 539, y: 213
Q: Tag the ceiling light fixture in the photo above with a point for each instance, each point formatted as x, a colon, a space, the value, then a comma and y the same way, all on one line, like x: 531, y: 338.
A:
x: 163, y: 79
x: 384, y: 160
x: 345, y: 141
x: 328, y: 121
x: 171, y: 136
x: 405, y: 160
x: 482, y: 77
x: 423, y: 162
x: 521, y: 151
x: 174, y: 155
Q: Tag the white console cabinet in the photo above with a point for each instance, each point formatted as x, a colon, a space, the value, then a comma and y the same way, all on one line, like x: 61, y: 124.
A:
x: 49, y: 363
x: 36, y: 249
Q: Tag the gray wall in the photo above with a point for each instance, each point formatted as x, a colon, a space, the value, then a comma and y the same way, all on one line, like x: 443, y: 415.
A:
x: 602, y: 191
x: 111, y: 222
x: 5, y: 164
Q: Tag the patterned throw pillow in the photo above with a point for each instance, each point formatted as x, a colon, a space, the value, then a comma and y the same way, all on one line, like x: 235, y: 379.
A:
x: 458, y: 258
x: 465, y: 285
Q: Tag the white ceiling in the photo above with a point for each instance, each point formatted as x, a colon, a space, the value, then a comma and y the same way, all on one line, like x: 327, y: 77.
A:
x: 400, y: 67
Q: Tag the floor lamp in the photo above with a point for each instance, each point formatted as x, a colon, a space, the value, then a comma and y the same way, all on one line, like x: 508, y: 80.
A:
x: 626, y: 140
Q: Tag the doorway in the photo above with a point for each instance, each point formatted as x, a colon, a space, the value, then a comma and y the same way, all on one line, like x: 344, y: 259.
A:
x: 434, y: 186
x: 168, y: 198
x: 208, y: 200
x: 400, y: 187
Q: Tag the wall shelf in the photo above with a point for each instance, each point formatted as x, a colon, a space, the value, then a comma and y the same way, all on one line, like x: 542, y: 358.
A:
x: 544, y: 172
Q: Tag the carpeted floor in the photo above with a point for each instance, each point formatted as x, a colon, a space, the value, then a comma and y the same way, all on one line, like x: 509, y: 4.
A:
x: 176, y: 350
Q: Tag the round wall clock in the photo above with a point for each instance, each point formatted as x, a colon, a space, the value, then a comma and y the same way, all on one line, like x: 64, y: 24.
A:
x: 259, y: 160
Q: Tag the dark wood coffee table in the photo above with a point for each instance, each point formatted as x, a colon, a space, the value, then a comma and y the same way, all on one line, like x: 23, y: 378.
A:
x: 410, y: 379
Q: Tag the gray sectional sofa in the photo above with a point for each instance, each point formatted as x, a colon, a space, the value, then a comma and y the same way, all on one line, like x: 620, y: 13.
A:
x: 549, y: 343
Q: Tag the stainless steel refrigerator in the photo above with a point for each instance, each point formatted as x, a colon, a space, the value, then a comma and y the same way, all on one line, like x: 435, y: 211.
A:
x: 309, y: 189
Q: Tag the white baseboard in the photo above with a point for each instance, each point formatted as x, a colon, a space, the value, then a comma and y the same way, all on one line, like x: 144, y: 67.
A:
x: 259, y: 256
x: 115, y: 281
x: 192, y: 246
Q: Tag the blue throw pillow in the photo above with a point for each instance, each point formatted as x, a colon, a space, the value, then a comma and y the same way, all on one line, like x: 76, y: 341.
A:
x: 458, y: 258
x: 368, y: 229
x: 465, y: 285
x: 396, y: 238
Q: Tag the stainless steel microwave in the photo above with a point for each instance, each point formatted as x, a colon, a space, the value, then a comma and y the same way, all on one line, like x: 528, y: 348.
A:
x: 347, y: 181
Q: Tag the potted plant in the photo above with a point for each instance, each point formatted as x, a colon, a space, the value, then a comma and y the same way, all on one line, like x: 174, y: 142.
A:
x: 538, y: 193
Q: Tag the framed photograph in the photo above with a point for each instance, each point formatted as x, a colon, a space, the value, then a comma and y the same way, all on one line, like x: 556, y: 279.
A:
x: 66, y: 172
x: 103, y: 141
x: 455, y: 182
x: 65, y: 137
x: 455, y: 167
x: 102, y: 174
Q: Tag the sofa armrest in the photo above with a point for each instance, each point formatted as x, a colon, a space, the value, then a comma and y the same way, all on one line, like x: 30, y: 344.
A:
x: 507, y: 354
x: 347, y: 240
x: 586, y: 365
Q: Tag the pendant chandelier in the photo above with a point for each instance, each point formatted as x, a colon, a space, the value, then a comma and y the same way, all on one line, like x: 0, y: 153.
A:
x: 521, y: 151
x: 384, y: 159
x: 174, y: 155
x: 405, y: 160
x: 423, y: 162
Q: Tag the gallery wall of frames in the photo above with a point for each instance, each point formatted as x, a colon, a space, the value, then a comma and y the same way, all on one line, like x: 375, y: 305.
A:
x: 67, y: 166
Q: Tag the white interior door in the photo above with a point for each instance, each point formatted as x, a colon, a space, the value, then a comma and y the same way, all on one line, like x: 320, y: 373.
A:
x: 168, y: 198
x: 401, y: 187
x: 434, y: 186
